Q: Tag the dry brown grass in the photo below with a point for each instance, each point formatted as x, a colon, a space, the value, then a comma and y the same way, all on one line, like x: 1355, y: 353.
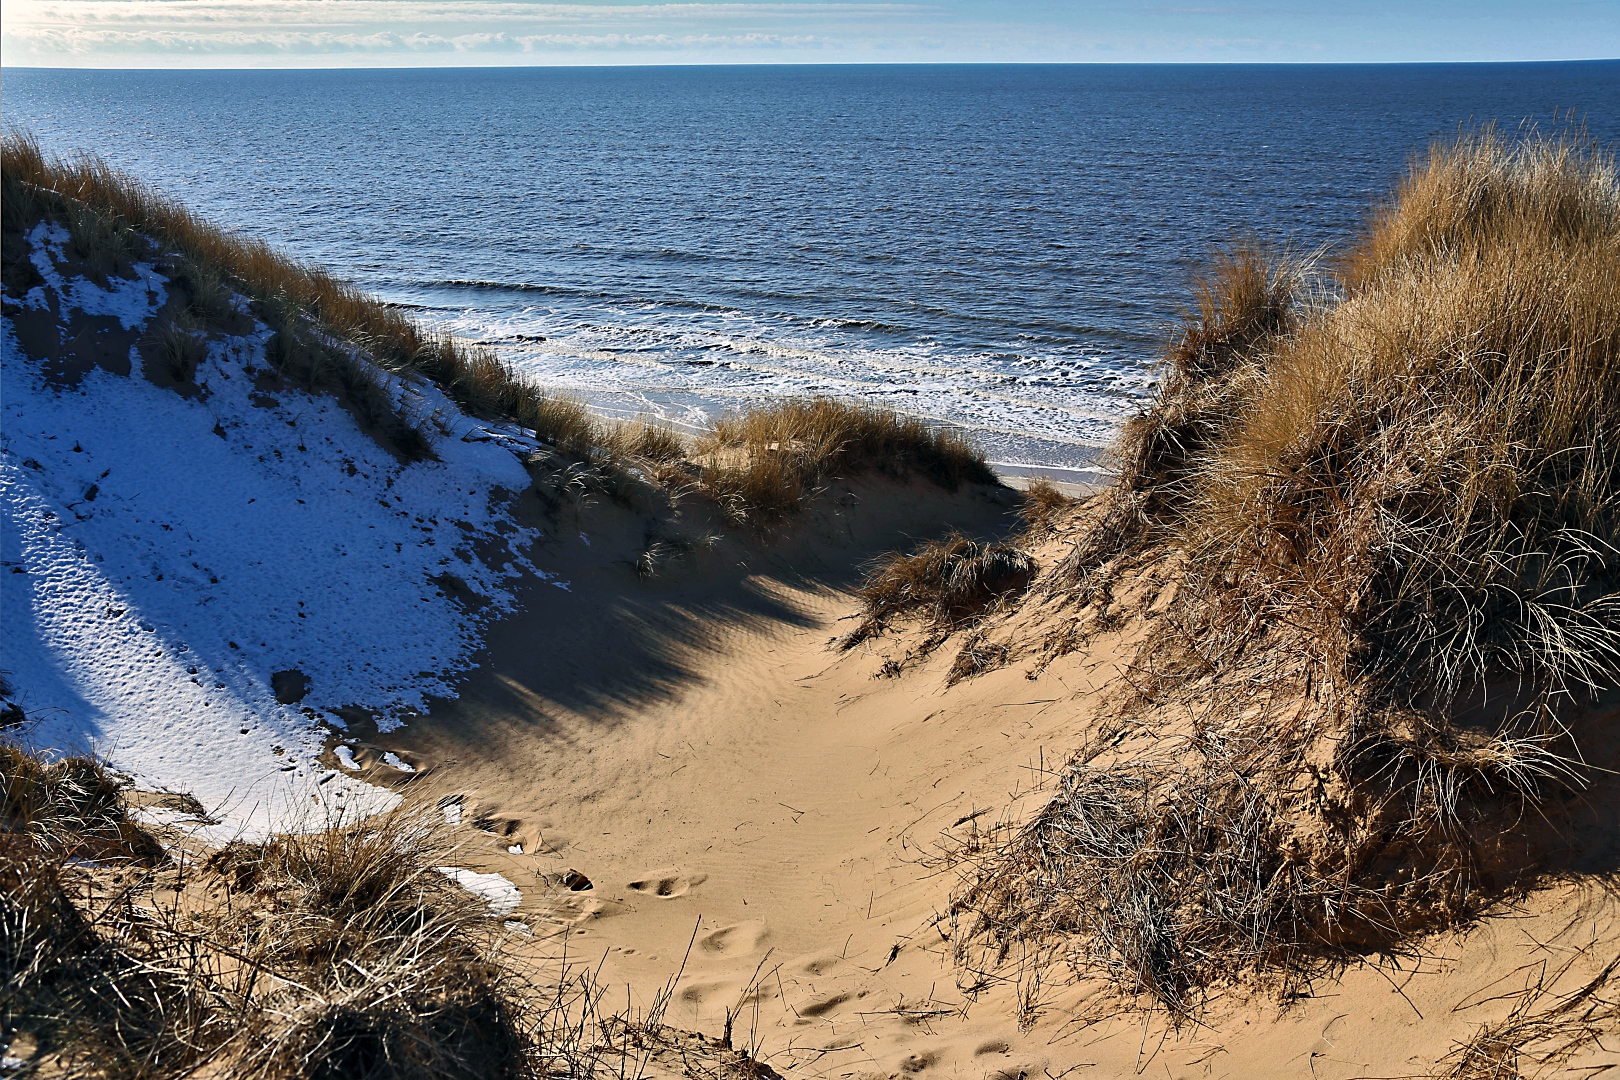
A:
x: 947, y: 585
x: 331, y: 954
x: 645, y: 439
x: 762, y: 465
x: 1391, y: 498
x: 958, y: 584
x: 1428, y: 464
x: 72, y: 805
x: 394, y: 964
x: 1545, y: 1031
x: 1043, y: 505
x: 60, y: 973
x: 340, y: 952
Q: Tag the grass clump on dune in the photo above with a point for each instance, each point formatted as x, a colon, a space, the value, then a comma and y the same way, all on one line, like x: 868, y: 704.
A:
x: 955, y: 584
x: 762, y: 465
x: 945, y: 582
x: 949, y: 584
x: 1385, y: 504
x: 1043, y: 505
x: 340, y: 952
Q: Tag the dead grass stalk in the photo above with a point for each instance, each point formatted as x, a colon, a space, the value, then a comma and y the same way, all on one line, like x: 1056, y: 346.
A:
x: 336, y: 953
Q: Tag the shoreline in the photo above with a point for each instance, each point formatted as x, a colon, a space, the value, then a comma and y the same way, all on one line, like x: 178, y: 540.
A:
x: 1075, y: 483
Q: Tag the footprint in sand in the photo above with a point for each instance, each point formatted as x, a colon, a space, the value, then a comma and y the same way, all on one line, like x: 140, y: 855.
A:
x: 917, y: 1061
x: 821, y: 1006
x: 818, y: 964
x: 738, y: 939
x: 572, y: 910
x: 569, y: 879
x: 667, y: 882
x: 696, y: 993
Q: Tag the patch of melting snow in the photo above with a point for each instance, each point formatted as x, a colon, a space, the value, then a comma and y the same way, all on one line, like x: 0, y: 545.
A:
x: 502, y: 896
x: 393, y: 759
x: 130, y: 300
x: 345, y: 757
x: 452, y: 810
x: 229, y: 540
x: 514, y: 849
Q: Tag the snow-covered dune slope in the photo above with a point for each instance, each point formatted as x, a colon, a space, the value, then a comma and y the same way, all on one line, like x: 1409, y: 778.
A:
x: 194, y: 578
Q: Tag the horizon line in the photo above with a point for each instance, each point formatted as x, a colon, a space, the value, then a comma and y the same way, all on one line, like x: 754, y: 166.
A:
x: 813, y: 64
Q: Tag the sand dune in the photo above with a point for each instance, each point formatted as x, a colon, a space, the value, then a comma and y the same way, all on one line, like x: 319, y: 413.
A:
x: 624, y: 677
x: 746, y: 799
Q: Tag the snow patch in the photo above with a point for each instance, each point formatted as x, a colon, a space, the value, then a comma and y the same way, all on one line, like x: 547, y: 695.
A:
x: 130, y: 300
x: 164, y: 556
x: 503, y: 896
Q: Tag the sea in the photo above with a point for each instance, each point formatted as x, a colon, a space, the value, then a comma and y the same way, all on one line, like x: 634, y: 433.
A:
x: 1004, y: 249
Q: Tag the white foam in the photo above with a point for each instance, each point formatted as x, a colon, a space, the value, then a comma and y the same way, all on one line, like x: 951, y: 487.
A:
x: 1049, y: 404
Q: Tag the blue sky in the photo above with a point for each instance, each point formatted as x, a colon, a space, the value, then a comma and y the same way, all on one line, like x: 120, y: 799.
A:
x: 398, y: 33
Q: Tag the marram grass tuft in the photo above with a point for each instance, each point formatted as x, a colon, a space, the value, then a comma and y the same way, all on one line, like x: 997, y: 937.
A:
x: 1383, y: 494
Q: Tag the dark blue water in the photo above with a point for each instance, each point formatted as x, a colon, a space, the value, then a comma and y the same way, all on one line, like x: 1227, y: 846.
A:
x: 1000, y: 247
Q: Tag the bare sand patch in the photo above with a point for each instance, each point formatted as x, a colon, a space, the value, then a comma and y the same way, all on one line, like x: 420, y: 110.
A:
x: 748, y: 801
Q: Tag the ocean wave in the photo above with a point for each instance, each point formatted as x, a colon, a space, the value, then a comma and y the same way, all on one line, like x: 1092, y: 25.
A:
x: 568, y: 291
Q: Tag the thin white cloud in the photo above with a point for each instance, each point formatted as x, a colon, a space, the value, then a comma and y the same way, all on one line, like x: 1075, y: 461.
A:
x: 174, y: 13
x: 226, y: 33
x: 256, y: 31
x: 106, y: 30
x: 81, y: 41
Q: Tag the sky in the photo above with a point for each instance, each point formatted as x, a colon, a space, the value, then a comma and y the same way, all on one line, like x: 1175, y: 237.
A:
x: 460, y: 33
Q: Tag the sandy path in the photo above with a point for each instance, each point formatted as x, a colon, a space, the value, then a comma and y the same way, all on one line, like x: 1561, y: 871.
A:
x: 727, y: 781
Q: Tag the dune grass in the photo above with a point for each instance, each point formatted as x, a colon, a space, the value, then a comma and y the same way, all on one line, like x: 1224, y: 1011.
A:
x: 1043, y: 505
x: 340, y: 952
x: 761, y: 465
x: 1385, y: 494
x: 1421, y: 477
x: 1545, y: 1031
x: 946, y: 581
x: 955, y: 584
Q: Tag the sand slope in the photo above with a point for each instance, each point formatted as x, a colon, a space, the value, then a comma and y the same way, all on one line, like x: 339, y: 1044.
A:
x: 733, y: 787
